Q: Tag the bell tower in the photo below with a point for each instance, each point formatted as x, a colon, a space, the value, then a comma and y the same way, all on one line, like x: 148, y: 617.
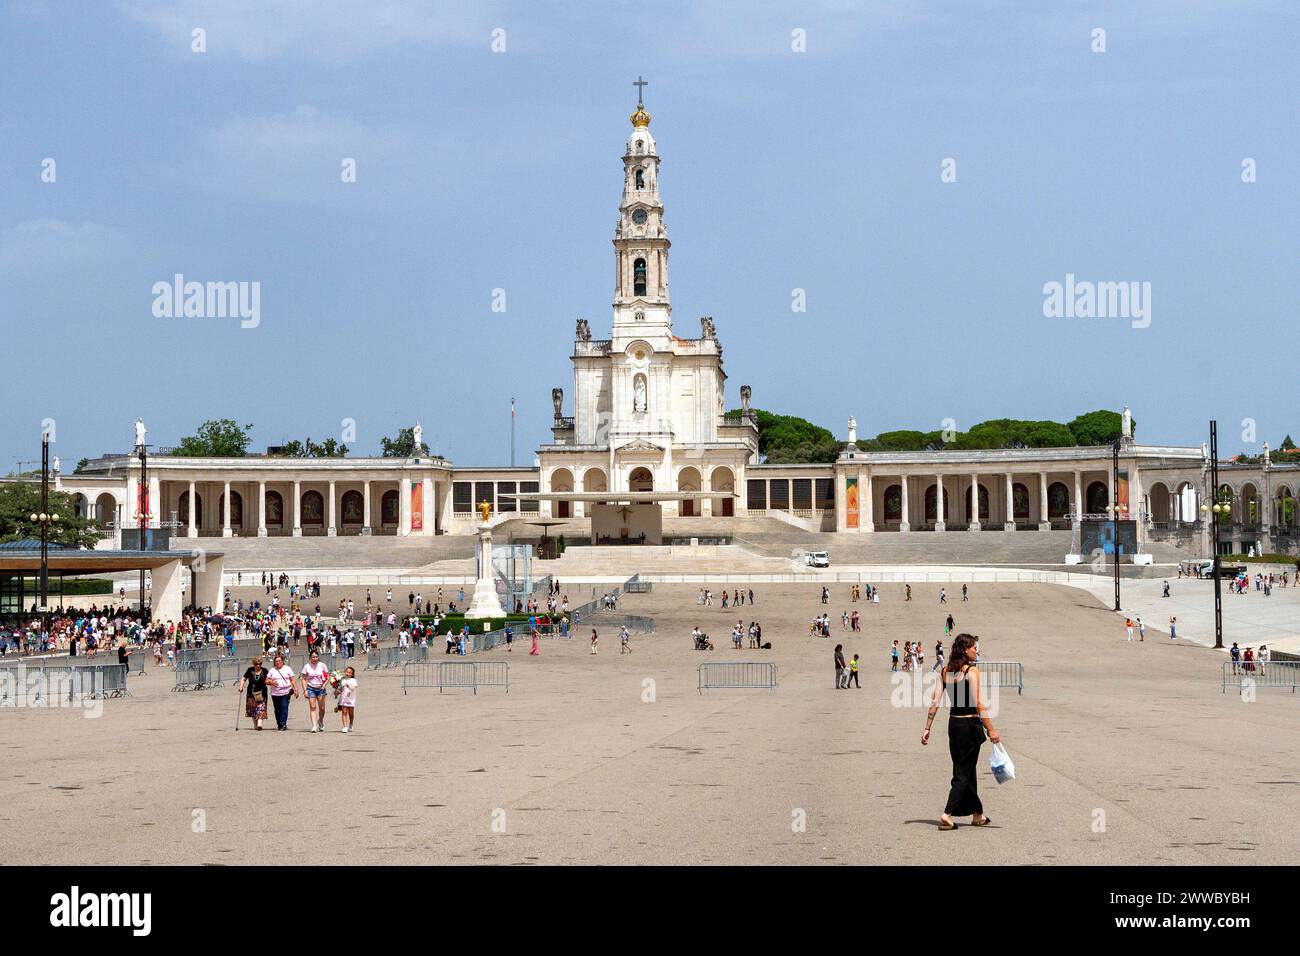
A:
x: 641, y: 306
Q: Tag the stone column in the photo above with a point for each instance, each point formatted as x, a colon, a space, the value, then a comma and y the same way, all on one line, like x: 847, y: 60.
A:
x: 207, y: 583
x: 974, y: 502
x: 155, y: 500
x: 331, y: 530
x: 1010, y: 523
x: 365, y: 508
x: 193, y: 530
x: 404, y: 504
x: 225, y: 507
x: 485, y: 603
x: 261, y: 509
x: 165, y: 588
x: 1044, y: 522
x: 939, y: 513
x: 706, y: 484
x: 1078, y: 500
x: 132, y: 518
x: 297, y: 508
x: 426, y: 493
x: 866, y: 504
x: 904, y: 525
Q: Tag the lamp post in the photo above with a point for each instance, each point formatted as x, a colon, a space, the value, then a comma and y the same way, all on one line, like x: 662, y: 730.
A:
x: 1115, y: 509
x: 45, y: 519
x: 1214, y: 511
x: 144, y: 513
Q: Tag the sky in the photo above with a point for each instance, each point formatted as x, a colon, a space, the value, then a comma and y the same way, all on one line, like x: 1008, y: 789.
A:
x: 916, y: 173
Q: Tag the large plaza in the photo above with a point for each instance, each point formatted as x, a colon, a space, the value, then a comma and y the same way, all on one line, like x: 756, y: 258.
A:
x: 1126, y: 753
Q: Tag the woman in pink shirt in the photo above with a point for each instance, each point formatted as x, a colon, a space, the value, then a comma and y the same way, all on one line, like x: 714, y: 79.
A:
x: 280, y: 681
x: 315, y: 680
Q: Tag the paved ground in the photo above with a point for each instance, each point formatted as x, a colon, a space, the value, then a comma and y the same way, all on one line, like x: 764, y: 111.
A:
x: 1126, y: 753
x: 1250, y: 619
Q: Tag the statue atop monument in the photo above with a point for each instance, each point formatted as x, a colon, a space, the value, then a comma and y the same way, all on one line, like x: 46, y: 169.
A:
x: 485, y: 509
x: 853, y: 430
x: 1127, y: 427
x: 417, y: 436
x: 139, y: 433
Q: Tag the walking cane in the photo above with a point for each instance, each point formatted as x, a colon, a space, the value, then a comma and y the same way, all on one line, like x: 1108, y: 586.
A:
x: 237, y: 710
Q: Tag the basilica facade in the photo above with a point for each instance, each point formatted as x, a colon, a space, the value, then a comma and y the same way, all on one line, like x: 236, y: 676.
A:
x: 648, y: 444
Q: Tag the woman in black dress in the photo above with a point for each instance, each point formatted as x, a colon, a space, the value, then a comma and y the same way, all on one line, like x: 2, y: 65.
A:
x: 255, y: 704
x: 967, y: 722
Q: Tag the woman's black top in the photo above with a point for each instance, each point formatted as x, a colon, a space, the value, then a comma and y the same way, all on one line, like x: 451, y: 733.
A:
x: 960, y: 694
x: 256, y: 682
x: 839, y: 661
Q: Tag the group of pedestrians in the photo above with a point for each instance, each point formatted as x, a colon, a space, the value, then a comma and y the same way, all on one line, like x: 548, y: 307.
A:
x: 1245, y: 662
x: 281, y: 685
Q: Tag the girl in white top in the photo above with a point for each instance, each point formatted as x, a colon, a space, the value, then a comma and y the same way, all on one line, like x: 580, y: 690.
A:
x: 347, y: 694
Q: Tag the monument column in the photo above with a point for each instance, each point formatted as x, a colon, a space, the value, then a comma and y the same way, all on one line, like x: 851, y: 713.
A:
x: 974, y: 502
x: 904, y: 525
x: 1010, y: 523
x: 365, y: 508
x: 261, y: 509
x: 1078, y: 499
x: 332, y: 529
x: 297, y: 508
x: 192, y: 531
x: 939, y: 523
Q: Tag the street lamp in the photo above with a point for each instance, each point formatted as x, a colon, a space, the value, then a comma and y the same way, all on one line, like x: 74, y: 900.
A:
x: 45, y: 519
x: 1219, y: 510
x: 1115, y: 509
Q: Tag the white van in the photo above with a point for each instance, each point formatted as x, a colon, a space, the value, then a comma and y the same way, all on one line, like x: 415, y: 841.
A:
x: 819, y: 559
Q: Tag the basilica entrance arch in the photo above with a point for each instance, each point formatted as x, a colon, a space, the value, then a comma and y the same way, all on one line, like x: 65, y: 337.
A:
x: 688, y: 479
x: 562, y: 482
x: 641, y: 479
x: 723, y: 479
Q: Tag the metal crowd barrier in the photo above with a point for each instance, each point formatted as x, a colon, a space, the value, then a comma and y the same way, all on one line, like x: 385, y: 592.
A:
x: 738, y: 674
x: 386, y: 657
x: 1003, y: 674
x: 455, y: 674
x: 1267, y: 674
x: 40, y: 683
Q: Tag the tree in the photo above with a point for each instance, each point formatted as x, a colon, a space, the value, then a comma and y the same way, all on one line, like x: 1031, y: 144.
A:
x: 81, y: 466
x: 217, y: 438
x: 403, y: 446
x: 20, y: 500
x: 788, y: 440
x: 1098, y: 428
x: 329, y: 448
x: 1287, y: 444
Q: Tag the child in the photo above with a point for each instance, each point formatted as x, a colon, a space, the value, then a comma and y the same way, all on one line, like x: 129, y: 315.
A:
x: 853, y: 673
x: 347, y: 695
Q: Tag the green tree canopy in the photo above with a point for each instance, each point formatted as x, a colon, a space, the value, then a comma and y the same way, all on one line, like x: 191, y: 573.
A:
x: 20, y: 500
x: 216, y: 438
x: 788, y: 440
x: 1098, y: 428
x: 403, y: 446
x: 329, y: 448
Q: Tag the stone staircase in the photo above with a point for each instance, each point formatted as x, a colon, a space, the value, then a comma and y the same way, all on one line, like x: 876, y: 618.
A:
x: 322, y: 553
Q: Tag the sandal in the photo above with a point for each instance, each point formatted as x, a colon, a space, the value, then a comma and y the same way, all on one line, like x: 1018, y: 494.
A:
x: 985, y: 821
x: 945, y: 825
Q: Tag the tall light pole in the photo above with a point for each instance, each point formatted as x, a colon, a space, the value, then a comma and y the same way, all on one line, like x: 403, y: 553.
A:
x: 1114, y: 508
x: 45, y: 519
x: 143, y: 507
x: 1214, y: 511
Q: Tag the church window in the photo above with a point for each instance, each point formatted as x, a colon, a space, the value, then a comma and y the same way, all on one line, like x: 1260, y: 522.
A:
x: 638, y: 277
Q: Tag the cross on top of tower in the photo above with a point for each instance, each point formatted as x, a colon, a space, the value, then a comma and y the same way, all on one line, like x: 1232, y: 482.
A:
x: 640, y: 85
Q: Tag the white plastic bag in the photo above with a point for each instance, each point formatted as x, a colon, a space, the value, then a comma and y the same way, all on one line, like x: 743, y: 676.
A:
x: 1001, y: 765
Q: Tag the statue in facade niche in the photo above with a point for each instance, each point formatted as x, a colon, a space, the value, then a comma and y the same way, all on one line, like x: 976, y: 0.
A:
x: 639, y: 398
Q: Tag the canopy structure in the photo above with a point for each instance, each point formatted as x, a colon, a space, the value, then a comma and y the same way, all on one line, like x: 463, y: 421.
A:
x: 21, y: 560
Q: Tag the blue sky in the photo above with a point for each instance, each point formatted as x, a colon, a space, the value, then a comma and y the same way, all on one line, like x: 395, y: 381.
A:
x: 479, y: 170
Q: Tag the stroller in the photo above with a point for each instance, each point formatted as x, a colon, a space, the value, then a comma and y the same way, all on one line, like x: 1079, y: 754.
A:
x: 702, y: 643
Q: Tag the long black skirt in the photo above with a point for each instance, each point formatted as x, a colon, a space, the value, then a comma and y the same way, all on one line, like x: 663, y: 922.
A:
x: 965, y: 735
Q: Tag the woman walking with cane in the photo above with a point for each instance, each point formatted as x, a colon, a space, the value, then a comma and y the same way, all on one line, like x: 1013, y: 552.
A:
x: 255, y: 703
x: 967, y: 722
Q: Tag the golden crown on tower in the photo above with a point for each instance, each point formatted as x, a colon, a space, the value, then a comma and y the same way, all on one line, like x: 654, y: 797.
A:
x: 640, y: 118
